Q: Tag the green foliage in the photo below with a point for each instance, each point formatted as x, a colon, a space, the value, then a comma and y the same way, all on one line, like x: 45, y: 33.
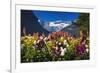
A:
x: 27, y: 54
x: 83, y: 21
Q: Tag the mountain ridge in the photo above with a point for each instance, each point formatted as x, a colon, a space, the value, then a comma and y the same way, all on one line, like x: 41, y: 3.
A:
x: 30, y: 22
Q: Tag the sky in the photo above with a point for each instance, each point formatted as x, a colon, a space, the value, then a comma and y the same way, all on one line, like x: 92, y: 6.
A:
x: 50, y: 16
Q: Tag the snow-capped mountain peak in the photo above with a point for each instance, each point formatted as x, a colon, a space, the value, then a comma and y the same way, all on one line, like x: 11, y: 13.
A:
x: 56, y: 25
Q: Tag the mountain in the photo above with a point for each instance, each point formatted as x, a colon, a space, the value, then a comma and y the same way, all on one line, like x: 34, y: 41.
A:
x: 72, y: 29
x: 55, y: 25
x: 30, y: 22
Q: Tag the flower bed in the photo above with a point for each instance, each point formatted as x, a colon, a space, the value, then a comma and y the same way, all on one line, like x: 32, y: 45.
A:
x: 57, y: 46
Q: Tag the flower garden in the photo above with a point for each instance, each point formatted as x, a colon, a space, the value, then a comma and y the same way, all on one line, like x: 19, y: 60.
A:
x: 57, y: 46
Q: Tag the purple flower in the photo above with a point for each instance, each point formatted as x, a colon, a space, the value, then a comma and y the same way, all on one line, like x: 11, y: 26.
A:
x: 80, y: 49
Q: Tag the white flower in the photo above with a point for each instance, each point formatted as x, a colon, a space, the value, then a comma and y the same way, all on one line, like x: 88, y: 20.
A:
x: 67, y: 45
x: 56, y: 48
x: 45, y: 38
x: 65, y: 42
x: 87, y: 50
x: 63, y: 50
x: 61, y: 38
x: 86, y: 45
x: 59, y: 43
x: 38, y: 41
x: 56, y: 42
x: 35, y: 42
x: 41, y: 37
